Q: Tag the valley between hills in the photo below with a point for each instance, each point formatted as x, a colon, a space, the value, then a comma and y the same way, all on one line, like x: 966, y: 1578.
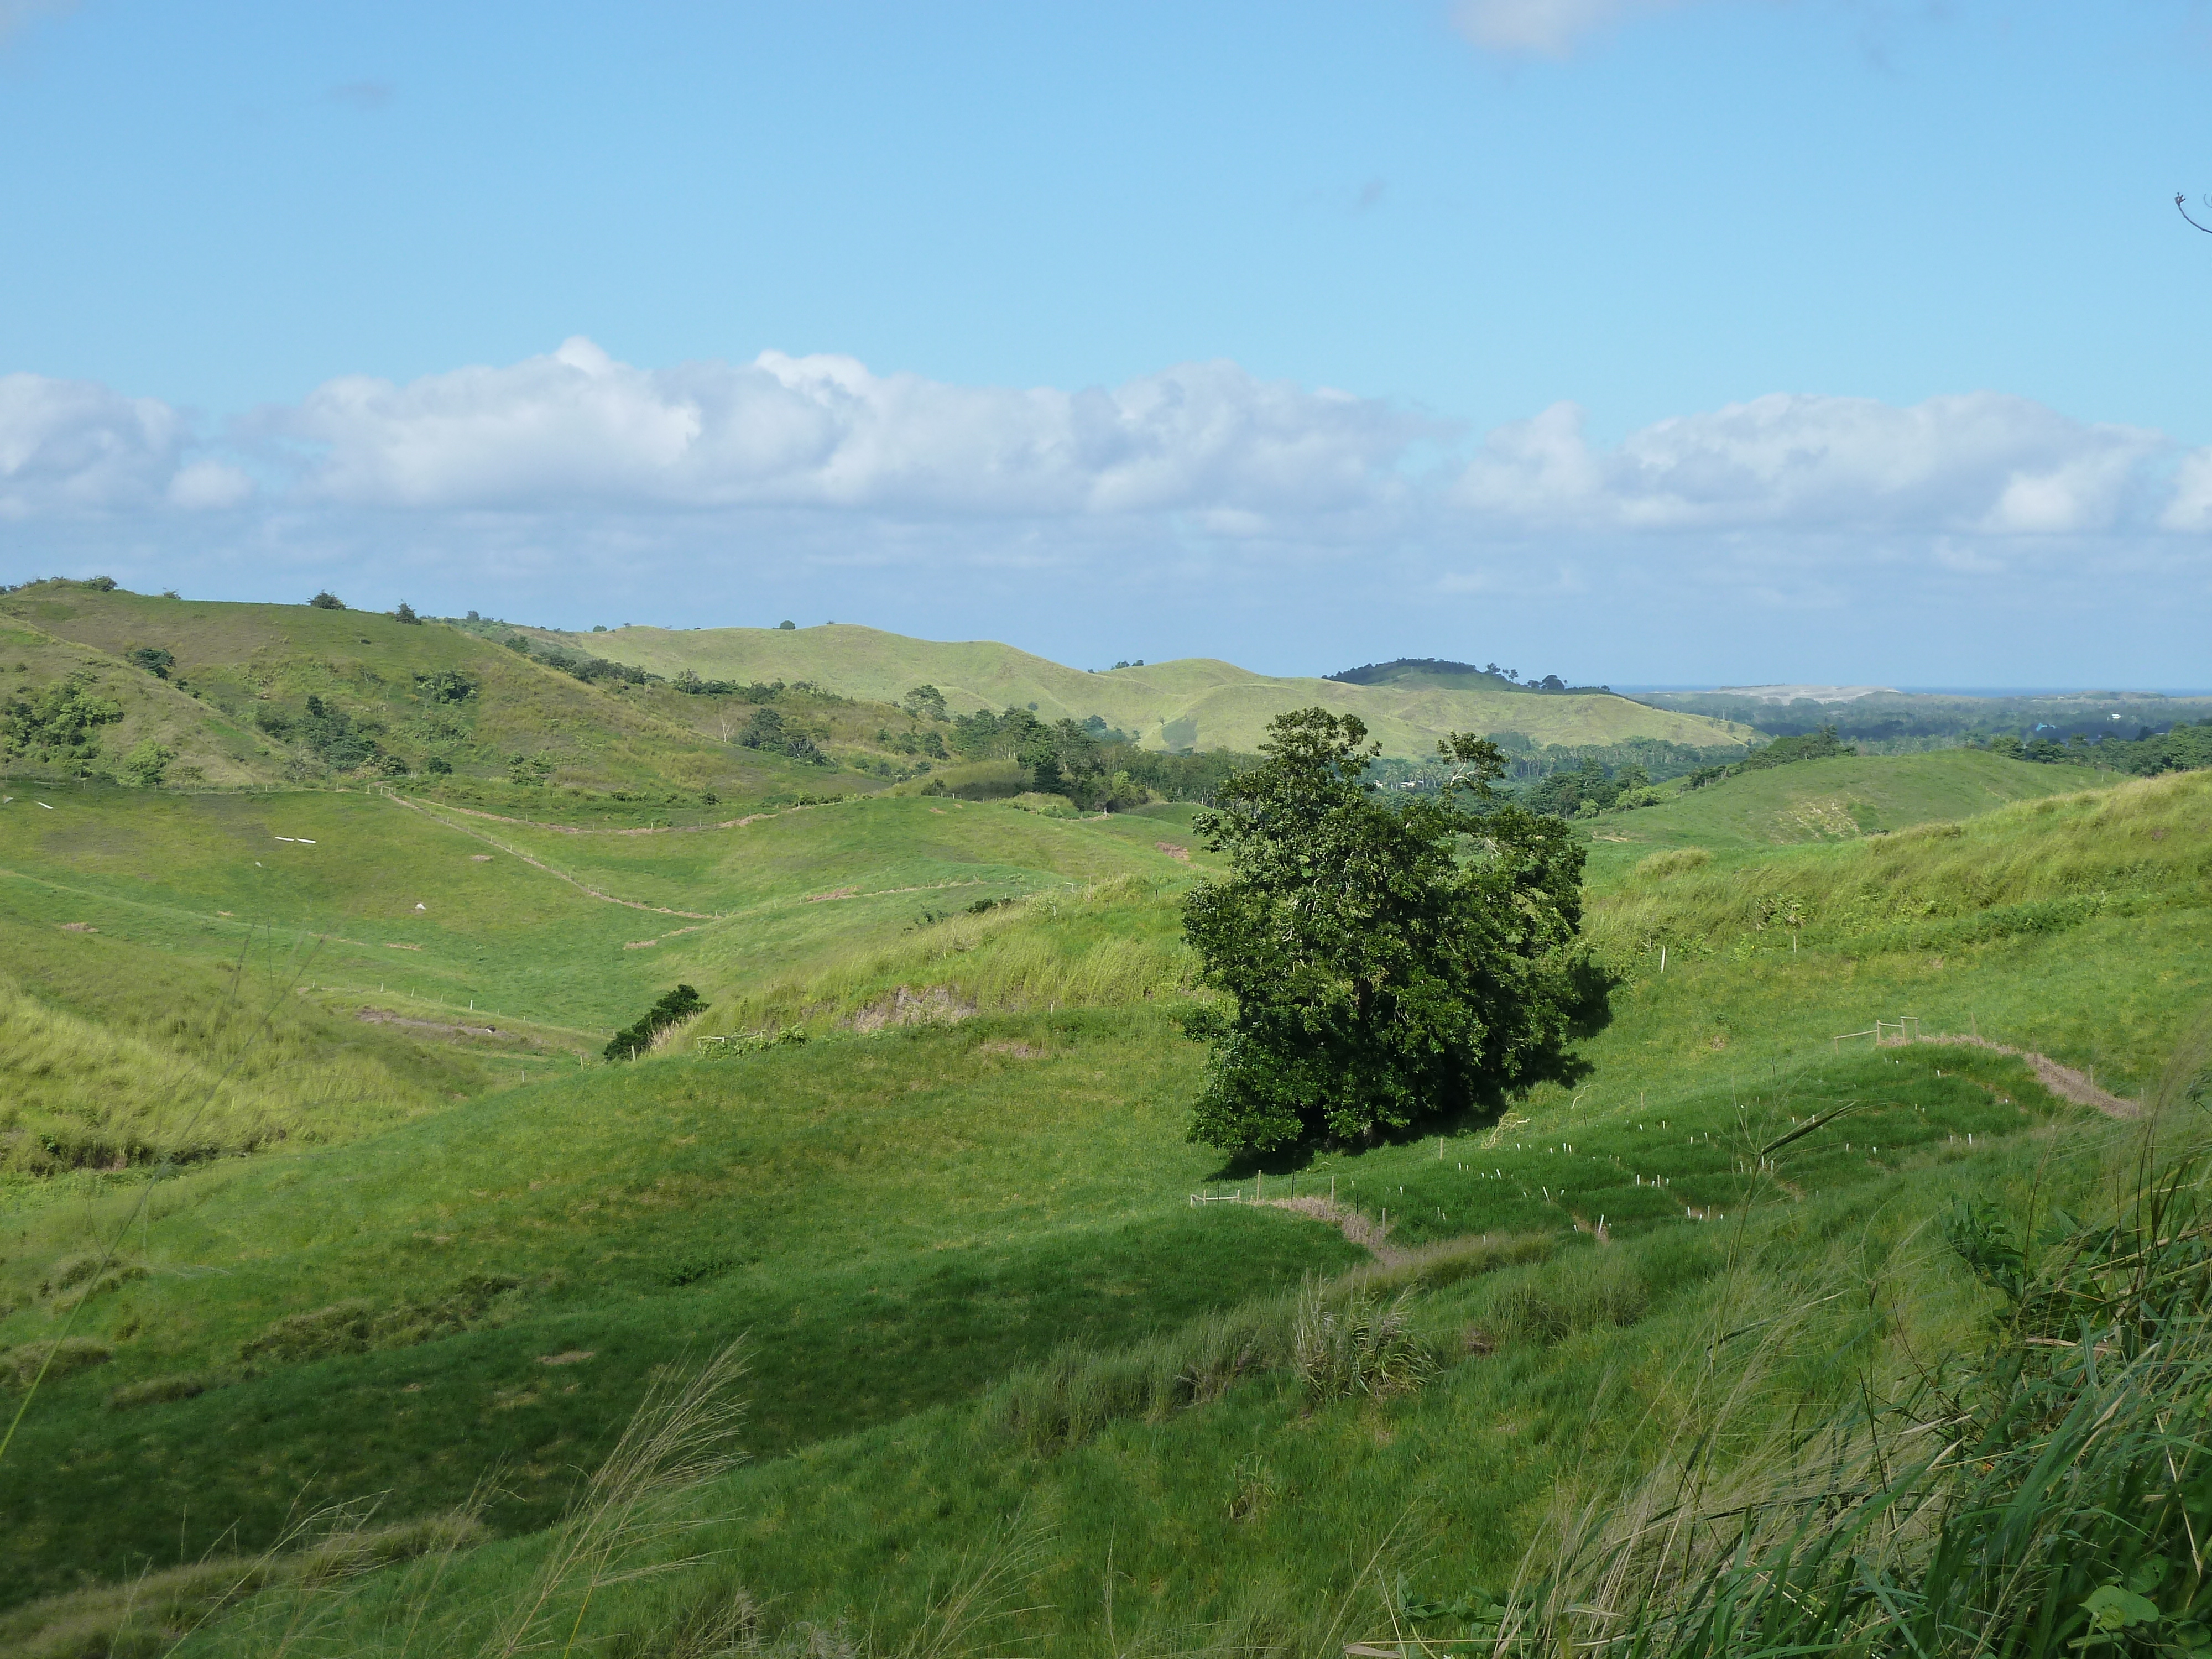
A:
x: 369, y: 1249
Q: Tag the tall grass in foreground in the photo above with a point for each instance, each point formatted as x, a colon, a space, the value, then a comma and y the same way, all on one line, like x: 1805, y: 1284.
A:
x: 2050, y: 1495
x: 620, y: 1531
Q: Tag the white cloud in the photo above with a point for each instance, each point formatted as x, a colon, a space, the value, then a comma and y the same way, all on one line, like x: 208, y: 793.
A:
x: 208, y: 484
x: 1198, y: 476
x: 1980, y: 463
x: 2191, y: 506
x: 1543, y: 29
x: 74, y: 446
x: 825, y: 431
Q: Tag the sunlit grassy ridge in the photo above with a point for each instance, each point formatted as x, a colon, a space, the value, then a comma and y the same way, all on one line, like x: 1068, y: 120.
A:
x: 529, y: 924
x: 2036, y: 866
x: 1838, y: 800
x: 1193, y: 702
x: 233, y: 661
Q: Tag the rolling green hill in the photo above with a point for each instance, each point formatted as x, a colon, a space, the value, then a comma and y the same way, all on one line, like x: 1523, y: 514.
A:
x: 232, y: 702
x: 957, y: 1221
x: 1196, y: 702
x: 316, y: 1187
x: 1836, y: 800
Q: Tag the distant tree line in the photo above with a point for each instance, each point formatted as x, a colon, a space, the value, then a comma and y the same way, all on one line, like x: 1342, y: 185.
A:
x: 1821, y: 745
x: 1899, y: 721
x: 1562, y: 778
x: 2181, y: 748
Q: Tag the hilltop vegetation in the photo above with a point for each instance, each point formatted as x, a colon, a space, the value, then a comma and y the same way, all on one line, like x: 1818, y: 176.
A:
x: 237, y: 694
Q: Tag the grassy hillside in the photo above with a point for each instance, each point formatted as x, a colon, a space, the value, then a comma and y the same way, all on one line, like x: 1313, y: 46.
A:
x: 1200, y: 1492
x: 232, y: 702
x: 104, y: 1063
x: 1196, y: 702
x: 955, y: 1224
x: 1837, y: 800
x: 208, y: 744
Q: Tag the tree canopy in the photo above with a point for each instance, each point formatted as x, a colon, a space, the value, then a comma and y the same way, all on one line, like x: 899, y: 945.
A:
x: 1389, y: 961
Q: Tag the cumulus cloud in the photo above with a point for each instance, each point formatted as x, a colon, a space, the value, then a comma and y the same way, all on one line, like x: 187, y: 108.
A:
x: 73, y: 446
x: 826, y: 431
x: 2190, y: 507
x: 1544, y: 28
x: 837, y: 463
x: 209, y: 485
x: 1981, y: 463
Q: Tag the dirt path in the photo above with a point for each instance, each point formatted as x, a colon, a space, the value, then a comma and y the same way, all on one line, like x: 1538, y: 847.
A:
x: 2061, y: 1080
x: 535, y: 864
x: 580, y: 830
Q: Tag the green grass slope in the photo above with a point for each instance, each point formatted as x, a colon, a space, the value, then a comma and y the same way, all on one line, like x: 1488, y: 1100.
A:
x: 112, y: 1055
x: 964, y: 1251
x: 422, y: 906
x: 235, y: 662
x: 1195, y: 702
x: 1838, y: 799
x: 210, y: 746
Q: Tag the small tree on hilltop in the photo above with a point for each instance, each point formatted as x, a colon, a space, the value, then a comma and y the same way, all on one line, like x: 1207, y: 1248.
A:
x: 1379, y: 976
x: 327, y: 600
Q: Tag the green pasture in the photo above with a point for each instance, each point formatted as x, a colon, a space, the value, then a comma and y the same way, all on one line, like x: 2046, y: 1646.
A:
x: 110, y: 1055
x: 894, y: 1221
x: 1826, y: 800
x: 1255, y: 1516
x: 880, y: 847
x: 969, y: 1193
x: 444, y: 909
x: 897, y: 1221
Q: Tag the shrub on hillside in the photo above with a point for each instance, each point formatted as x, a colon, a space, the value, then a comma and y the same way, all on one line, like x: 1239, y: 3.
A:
x: 57, y: 724
x: 679, y: 1004
x: 151, y: 657
x: 446, y: 685
x: 1357, y: 1345
x: 143, y: 767
x: 327, y: 600
x: 406, y: 613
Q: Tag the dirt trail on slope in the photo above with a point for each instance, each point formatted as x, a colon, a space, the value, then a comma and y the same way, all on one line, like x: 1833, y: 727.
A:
x: 2061, y: 1080
x: 535, y: 864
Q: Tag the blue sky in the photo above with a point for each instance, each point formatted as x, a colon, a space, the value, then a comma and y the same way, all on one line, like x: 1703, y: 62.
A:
x: 1724, y: 340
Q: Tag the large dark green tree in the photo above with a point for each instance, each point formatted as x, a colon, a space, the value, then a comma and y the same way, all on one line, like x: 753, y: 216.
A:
x: 1389, y: 959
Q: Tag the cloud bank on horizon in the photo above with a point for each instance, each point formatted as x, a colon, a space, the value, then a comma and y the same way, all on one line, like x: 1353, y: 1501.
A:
x: 574, y: 469
x: 576, y: 432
